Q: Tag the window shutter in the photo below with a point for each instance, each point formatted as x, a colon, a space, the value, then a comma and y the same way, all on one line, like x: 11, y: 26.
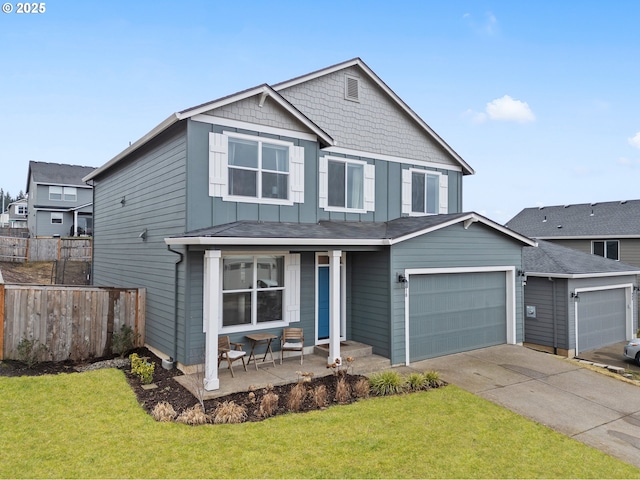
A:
x: 369, y: 187
x: 406, y: 191
x: 218, y: 161
x: 323, y: 185
x: 443, y: 191
x: 292, y: 288
x: 296, y: 175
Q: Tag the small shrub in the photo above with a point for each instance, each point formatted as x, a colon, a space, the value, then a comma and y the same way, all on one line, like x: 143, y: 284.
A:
x: 343, y: 391
x: 296, y: 397
x: 305, y: 377
x: 268, y: 404
x: 416, y: 381
x: 30, y: 351
x: 122, y: 341
x: 163, y: 412
x: 388, y: 382
x: 361, y: 388
x: 194, y: 416
x: 341, y: 368
x: 143, y: 369
x: 433, y: 379
x: 229, y: 412
x: 319, y: 396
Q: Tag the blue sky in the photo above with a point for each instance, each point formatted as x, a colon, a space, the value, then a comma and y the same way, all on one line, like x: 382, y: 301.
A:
x: 540, y: 98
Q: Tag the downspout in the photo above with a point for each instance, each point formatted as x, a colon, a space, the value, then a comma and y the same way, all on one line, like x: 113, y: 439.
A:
x: 175, y: 304
x: 554, y: 315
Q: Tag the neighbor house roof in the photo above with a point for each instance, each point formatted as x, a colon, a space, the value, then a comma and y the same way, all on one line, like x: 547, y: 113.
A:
x: 333, y: 232
x: 265, y: 91
x: 552, y: 260
x: 58, y: 174
x: 586, y: 220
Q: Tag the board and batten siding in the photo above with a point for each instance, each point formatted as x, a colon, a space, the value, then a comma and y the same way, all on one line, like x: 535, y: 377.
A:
x: 541, y: 293
x: 144, y: 193
x: 369, y: 299
x: 453, y: 246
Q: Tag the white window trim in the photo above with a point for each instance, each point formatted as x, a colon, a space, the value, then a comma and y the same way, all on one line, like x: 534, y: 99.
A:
x: 604, y: 241
x: 290, y: 295
x: 219, y: 168
x: 407, y: 186
x: 57, y: 215
x: 55, y: 190
x: 70, y: 189
x: 368, y: 200
x: 21, y: 210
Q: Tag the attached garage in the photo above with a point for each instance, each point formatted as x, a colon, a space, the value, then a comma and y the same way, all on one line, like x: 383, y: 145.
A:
x: 574, y: 301
x: 456, y: 310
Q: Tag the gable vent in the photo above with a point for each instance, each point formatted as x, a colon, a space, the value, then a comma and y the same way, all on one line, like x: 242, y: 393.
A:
x: 352, y: 88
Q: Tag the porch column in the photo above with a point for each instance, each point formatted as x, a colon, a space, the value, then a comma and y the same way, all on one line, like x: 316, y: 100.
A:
x: 75, y: 223
x: 211, y: 317
x: 334, y: 306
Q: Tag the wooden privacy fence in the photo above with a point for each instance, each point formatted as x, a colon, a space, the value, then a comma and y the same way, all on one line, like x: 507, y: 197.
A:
x: 16, y: 249
x: 72, y: 322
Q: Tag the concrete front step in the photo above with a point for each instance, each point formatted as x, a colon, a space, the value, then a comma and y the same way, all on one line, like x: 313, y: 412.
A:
x: 347, y: 349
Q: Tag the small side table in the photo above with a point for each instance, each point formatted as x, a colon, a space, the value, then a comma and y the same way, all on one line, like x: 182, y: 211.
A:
x: 259, y: 339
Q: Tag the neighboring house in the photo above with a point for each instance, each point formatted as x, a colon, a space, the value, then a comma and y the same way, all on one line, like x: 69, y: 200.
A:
x: 323, y: 202
x: 575, y: 301
x: 59, y: 202
x: 17, y: 214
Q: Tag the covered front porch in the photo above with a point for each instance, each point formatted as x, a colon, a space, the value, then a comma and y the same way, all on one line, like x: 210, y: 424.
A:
x: 289, y: 372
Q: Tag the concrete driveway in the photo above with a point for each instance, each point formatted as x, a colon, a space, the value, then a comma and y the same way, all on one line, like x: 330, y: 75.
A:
x: 611, y: 355
x: 595, y: 409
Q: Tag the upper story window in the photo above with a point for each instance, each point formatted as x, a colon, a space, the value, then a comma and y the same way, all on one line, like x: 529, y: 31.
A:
x: 69, y: 194
x: 346, y: 185
x: 606, y: 248
x: 21, y: 209
x: 424, y: 192
x: 245, y: 168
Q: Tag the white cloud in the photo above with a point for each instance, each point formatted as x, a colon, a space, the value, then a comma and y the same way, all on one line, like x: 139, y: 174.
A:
x: 510, y: 110
x: 635, y: 140
x: 489, y: 26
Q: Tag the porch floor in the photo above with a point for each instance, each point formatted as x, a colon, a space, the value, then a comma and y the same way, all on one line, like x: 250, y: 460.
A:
x: 281, y: 374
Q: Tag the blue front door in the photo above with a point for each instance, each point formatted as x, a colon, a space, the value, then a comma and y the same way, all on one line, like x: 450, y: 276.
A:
x: 323, y: 302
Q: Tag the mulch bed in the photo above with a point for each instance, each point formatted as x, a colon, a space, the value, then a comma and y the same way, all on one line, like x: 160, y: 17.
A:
x: 169, y: 390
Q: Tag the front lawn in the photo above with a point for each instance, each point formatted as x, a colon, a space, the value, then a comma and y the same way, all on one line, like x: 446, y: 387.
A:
x: 89, y: 425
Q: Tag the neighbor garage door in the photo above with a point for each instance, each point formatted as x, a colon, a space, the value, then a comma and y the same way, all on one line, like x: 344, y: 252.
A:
x: 602, y: 318
x: 451, y: 313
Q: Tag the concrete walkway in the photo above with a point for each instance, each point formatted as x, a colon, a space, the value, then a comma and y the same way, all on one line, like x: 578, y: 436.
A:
x: 595, y: 409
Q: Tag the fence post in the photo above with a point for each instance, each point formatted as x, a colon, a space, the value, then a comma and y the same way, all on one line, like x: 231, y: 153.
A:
x: 1, y: 321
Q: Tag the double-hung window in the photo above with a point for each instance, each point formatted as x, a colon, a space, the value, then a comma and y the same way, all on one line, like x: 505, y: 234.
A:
x: 253, y: 169
x: 346, y: 185
x: 606, y: 248
x: 69, y: 194
x: 424, y: 192
x: 21, y: 209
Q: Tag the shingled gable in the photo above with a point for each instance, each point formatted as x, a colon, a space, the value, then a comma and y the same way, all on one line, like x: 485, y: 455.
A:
x: 57, y: 174
x: 336, y: 232
x: 266, y: 91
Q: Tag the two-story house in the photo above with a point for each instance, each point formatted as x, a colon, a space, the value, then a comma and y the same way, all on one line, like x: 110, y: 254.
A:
x: 322, y: 202
x: 16, y: 214
x: 59, y: 202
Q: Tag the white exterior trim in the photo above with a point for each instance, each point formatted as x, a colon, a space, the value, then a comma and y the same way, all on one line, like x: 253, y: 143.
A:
x: 368, y: 185
x: 211, y: 316
x: 390, y: 158
x: 343, y: 296
x: 510, y: 273
x: 628, y: 301
x: 582, y: 275
x: 227, y: 122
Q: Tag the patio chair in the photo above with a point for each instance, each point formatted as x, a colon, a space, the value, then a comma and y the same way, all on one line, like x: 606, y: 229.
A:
x: 226, y: 353
x: 292, y: 340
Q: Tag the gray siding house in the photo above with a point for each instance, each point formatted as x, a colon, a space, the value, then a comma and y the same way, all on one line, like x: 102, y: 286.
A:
x: 322, y: 202
x: 575, y: 302
x: 17, y: 214
x: 60, y: 203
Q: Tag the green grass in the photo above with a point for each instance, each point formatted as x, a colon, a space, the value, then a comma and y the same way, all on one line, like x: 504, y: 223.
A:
x: 89, y: 425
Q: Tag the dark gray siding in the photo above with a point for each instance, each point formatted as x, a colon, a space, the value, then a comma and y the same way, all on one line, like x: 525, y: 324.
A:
x: 152, y: 184
x: 550, y: 299
x: 369, y: 300
x: 454, y: 246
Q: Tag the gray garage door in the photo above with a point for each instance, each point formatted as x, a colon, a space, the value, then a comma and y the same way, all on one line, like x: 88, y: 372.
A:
x: 451, y: 313
x: 601, y: 318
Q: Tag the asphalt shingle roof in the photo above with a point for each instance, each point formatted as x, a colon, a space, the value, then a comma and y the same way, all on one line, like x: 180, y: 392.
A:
x: 59, y: 173
x: 551, y: 258
x: 326, y: 229
x: 581, y: 220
